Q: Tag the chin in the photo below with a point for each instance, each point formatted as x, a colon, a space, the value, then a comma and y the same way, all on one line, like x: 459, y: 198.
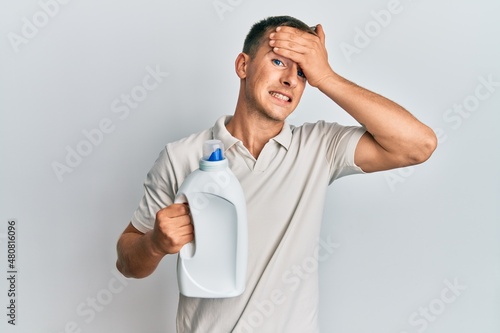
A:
x: 277, y: 117
x: 272, y: 112
x: 278, y: 114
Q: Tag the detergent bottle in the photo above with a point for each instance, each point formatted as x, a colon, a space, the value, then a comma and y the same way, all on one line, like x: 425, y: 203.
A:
x: 214, y: 264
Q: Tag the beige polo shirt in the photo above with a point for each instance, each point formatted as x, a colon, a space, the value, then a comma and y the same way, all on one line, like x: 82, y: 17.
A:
x: 285, y: 192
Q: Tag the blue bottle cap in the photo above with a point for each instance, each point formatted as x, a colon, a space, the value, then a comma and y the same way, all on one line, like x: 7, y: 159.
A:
x: 213, y: 150
x: 216, y: 155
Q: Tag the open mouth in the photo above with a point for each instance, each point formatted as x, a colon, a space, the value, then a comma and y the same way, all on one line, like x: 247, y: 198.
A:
x: 280, y: 96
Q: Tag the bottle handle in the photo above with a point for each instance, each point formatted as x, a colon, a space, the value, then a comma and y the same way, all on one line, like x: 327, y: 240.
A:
x: 189, y: 249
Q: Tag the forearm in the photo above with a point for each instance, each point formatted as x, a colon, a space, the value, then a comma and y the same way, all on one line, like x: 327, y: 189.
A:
x: 391, y: 126
x: 139, y: 254
x: 395, y: 138
x: 137, y: 257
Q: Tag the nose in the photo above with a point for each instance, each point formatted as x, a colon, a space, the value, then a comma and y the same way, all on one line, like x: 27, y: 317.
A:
x: 289, y: 76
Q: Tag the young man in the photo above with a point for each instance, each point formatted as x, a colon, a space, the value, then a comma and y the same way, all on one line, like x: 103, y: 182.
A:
x: 284, y: 171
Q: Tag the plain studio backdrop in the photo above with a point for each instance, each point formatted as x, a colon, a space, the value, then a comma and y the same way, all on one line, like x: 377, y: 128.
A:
x: 91, y: 91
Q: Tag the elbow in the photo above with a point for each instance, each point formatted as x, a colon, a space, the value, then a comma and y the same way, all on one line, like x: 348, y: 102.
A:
x: 121, y: 262
x: 423, y: 148
x: 125, y: 267
x: 121, y: 268
x: 127, y: 272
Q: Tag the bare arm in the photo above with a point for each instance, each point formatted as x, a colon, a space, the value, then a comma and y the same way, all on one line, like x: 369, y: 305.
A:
x: 394, y: 137
x: 139, y: 254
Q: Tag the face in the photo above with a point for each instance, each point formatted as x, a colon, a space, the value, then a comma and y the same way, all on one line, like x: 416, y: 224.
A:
x: 273, y: 84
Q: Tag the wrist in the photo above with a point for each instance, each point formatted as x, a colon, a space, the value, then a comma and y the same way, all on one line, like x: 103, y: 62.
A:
x: 326, y: 81
x: 154, y: 248
x: 337, y: 87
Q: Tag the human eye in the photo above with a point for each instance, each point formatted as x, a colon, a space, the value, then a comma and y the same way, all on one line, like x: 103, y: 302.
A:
x: 301, y: 74
x: 278, y: 62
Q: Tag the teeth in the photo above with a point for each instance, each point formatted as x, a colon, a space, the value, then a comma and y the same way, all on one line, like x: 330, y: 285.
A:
x: 280, y: 96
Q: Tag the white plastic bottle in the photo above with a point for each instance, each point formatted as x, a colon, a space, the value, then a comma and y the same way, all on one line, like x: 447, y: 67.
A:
x: 214, y: 265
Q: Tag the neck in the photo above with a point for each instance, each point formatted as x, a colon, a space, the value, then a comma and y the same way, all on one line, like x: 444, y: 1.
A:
x: 253, y: 128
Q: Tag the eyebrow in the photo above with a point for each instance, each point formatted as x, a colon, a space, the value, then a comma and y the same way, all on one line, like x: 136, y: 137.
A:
x: 279, y: 56
x: 298, y: 66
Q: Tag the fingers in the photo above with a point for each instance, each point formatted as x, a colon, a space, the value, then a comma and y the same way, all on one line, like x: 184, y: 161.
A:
x: 175, y: 210
x: 306, y: 49
x: 295, y: 44
x: 296, y: 36
x: 290, y: 41
x: 173, y: 228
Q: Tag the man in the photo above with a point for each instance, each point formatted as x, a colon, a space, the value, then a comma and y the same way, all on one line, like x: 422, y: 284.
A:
x: 284, y: 171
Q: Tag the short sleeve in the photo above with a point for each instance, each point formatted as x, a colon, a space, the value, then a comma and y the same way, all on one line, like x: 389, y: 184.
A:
x: 335, y: 143
x: 158, y: 193
x: 341, y: 144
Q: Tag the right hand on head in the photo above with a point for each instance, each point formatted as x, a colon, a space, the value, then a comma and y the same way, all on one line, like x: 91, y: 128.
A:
x: 173, y: 229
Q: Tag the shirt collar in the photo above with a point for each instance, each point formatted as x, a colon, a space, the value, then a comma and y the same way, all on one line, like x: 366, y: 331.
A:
x: 220, y: 132
x: 284, y: 137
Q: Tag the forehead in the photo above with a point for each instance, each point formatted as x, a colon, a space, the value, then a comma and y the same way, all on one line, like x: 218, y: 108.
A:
x: 264, y: 41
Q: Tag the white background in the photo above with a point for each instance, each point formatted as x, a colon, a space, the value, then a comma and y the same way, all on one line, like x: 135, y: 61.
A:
x: 402, y: 234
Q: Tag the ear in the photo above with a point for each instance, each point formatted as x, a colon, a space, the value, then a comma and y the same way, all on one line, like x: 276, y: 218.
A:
x: 240, y: 65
